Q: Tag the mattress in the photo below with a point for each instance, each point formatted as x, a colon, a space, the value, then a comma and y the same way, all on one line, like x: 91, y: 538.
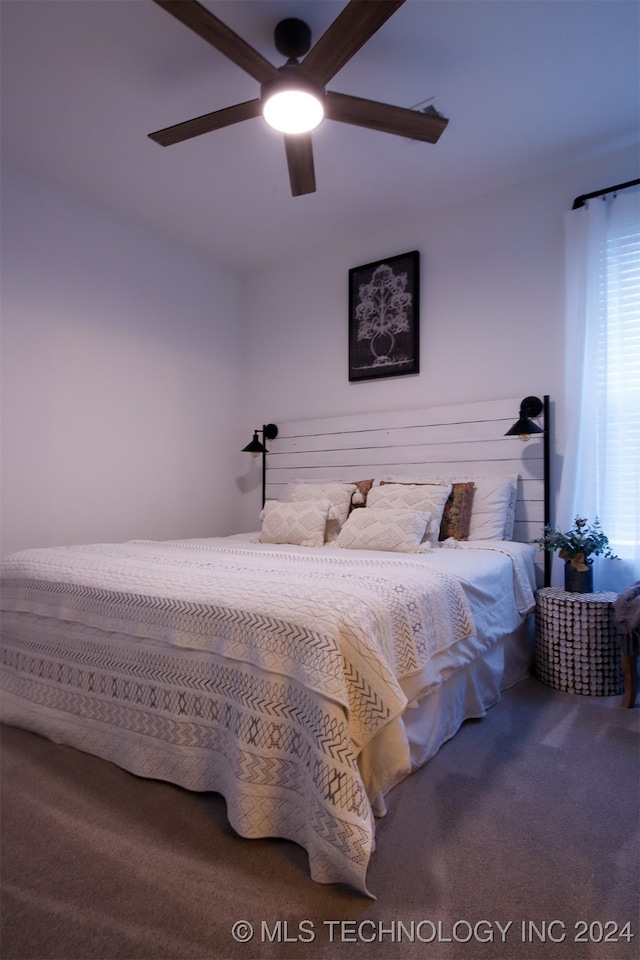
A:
x: 288, y: 679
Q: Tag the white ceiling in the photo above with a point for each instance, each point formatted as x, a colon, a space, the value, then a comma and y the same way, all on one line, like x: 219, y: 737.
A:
x: 528, y: 86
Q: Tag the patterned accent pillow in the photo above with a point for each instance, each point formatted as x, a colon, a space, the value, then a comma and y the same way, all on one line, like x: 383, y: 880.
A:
x: 302, y: 524
x: 359, y: 498
x: 397, y: 530
x: 339, y: 496
x: 456, y: 518
x: 428, y: 498
x: 510, y: 515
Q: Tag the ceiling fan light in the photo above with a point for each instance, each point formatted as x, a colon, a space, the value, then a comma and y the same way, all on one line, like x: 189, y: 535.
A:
x: 293, y: 111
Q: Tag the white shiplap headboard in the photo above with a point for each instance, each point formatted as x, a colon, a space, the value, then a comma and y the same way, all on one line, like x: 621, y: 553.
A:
x: 466, y: 439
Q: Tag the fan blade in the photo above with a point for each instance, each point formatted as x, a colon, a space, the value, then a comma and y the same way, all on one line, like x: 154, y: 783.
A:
x: 384, y: 117
x: 207, y: 123
x: 220, y: 36
x: 300, y: 161
x: 351, y: 29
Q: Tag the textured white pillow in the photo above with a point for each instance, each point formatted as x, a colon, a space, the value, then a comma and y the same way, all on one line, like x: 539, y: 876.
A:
x: 302, y: 524
x: 427, y: 498
x: 339, y: 496
x: 494, y: 502
x: 400, y: 530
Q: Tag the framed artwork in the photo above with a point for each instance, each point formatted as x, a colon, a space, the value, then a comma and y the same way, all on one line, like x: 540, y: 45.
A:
x: 384, y: 318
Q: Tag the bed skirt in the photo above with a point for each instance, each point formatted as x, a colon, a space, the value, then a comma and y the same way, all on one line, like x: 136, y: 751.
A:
x: 465, y: 694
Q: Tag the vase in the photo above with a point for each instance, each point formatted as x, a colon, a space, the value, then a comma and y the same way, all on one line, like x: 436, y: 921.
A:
x: 578, y: 581
x: 382, y: 344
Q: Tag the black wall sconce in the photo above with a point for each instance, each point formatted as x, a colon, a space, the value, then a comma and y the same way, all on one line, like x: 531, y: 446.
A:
x: 257, y: 447
x: 524, y: 428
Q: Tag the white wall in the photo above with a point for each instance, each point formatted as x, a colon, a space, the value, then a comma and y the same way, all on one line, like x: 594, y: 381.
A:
x: 121, y: 378
x: 491, y: 305
x: 130, y: 368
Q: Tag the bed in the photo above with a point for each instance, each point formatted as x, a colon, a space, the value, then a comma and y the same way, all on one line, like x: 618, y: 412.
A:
x: 301, y: 670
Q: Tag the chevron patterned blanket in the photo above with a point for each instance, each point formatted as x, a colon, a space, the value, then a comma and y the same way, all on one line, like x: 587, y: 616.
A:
x: 256, y: 673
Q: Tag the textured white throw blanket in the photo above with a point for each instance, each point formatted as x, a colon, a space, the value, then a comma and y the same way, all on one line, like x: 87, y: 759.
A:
x: 257, y: 674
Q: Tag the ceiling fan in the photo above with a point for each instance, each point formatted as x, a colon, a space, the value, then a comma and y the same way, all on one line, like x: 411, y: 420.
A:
x: 351, y: 29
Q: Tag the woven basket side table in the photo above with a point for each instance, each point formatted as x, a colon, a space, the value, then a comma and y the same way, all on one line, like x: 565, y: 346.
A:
x: 577, y: 647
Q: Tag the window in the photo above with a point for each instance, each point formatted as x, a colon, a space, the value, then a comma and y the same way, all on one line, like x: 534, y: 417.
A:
x: 618, y: 377
x: 602, y: 475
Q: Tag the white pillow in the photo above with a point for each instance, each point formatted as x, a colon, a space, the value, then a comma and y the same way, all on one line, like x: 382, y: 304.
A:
x: 302, y: 524
x: 427, y: 498
x: 494, y: 507
x: 339, y: 496
x: 494, y: 502
x: 398, y: 530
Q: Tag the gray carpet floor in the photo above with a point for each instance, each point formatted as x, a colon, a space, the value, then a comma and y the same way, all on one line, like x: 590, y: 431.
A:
x: 518, y: 841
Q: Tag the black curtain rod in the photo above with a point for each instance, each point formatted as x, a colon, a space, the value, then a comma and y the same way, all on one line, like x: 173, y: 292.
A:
x: 580, y: 201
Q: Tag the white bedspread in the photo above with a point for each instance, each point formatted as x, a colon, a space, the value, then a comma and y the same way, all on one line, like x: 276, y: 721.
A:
x: 306, y: 652
x: 258, y: 672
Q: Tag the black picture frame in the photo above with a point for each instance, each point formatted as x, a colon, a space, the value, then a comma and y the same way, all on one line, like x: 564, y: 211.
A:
x: 384, y: 318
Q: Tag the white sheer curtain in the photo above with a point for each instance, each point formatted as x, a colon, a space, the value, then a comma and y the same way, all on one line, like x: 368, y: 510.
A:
x: 601, y: 470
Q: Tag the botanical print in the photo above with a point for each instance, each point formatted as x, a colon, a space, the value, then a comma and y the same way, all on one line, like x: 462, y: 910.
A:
x: 383, y: 320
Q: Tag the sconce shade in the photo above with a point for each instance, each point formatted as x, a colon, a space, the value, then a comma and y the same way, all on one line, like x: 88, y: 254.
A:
x: 524, y: 426
x: 269, y: 432
x: 255, y: 447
